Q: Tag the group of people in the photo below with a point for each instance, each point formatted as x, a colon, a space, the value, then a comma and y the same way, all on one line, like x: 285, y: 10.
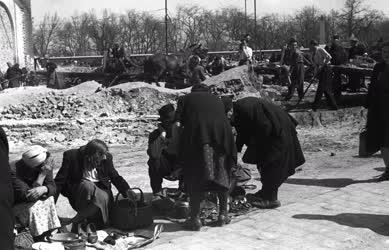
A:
x: 194, y: 144
x: 13, y: 77
x: 319, y: 61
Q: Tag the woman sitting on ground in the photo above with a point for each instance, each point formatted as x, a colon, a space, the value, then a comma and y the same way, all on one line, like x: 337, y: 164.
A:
x: 85, y: 179
x: 34, y: 189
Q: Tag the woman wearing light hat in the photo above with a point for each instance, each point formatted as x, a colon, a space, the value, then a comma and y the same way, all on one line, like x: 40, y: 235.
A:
x: 34, y: 189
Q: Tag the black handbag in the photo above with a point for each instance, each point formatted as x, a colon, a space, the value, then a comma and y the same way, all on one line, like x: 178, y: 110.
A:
x: 127, y: 214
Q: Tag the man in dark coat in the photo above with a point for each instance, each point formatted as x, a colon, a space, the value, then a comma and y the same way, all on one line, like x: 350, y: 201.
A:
x: 162, y: 151
x: 339, y: 57
x: 85, y: 179
x: 356, y: 80
x: 378, y: 115
x: 271, y: 138
x: 52, y: 79
x: 6, y: 196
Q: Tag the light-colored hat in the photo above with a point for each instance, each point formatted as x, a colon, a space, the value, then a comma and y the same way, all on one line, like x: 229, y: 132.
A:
x: 35, y: 156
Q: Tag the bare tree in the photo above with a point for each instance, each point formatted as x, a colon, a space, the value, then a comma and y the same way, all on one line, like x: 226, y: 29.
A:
x: 45, y: 33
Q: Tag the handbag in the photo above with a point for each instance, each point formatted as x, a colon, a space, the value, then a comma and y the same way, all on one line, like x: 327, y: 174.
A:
x: 127, y: 214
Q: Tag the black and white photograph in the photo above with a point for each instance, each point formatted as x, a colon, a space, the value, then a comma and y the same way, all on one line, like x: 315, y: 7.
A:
x: 194, y: 124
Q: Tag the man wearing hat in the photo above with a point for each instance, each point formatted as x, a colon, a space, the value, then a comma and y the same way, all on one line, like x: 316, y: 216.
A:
x: 34, y: 189
x: 339, y: 56
x: 162, y: 151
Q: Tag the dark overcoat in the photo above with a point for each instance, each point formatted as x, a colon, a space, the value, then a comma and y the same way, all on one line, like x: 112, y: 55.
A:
x: 378, y: 105
x: 269, y: 133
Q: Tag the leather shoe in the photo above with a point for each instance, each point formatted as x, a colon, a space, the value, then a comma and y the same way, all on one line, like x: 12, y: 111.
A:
x: 223, y: 220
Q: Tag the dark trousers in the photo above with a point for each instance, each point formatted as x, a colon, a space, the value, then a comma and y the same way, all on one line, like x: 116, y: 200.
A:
x: 337, y: 84
x: 356, y: 81
x: 297, y: 80
x: 161, y: 168
x: 324, y: 87
x: 271, y: 178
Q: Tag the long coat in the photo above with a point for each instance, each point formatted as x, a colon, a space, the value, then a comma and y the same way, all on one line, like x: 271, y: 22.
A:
x: 6, y: 197
x: 270, y: 135
x: 378, y: 104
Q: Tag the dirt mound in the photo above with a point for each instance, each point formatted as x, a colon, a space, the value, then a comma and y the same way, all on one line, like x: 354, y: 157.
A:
x: 85, y: 100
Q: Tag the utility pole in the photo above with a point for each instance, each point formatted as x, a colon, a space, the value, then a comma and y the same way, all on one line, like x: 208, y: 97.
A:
x: 166, y: 29
x: 255, y: 25
x: 245, y: 15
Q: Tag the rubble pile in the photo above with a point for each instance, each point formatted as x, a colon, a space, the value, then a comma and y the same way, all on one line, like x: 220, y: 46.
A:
x: 122, y: 114
x: 90, y: 100
x: 240, y: 82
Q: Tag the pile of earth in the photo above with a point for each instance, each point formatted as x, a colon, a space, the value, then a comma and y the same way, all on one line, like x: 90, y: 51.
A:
x: 122, y: 114
x: 88, y: 99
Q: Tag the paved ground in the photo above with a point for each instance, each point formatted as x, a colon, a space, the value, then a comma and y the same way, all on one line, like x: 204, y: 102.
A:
x: 337, y: 207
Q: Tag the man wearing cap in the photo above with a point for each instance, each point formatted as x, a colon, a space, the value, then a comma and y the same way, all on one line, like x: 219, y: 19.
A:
x: 34, y: 189
x: 162, y: 151
x: 297, y: 71
x: 6, y: 197
x: 356, y: 80
x: 339, y: 57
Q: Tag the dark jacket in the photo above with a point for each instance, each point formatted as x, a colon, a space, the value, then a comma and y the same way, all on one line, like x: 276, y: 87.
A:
x: 71, y: 173
x: 6, y: 197
x: 25, y: 180
x: 377, y: 104
x: 269, y: 133
x: 338, y: 54
x: 357, y: 50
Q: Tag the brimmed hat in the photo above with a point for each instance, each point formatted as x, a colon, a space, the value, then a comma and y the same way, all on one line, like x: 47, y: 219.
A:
x: 166, y: 113
x: 35, y: 156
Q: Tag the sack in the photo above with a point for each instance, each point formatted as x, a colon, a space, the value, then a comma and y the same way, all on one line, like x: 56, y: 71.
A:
x: 127, y: 214
x: 363, y: 149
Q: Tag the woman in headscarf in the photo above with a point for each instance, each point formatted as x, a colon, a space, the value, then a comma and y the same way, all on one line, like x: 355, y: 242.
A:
x: 271, y: 138
x: 85, y: 178
x: 378, y: 115
x: 6, y: 197
x: 207, y: 150
x: 34, y: 189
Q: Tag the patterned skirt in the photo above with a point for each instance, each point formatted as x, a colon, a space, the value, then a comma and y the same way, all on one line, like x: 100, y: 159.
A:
x: 208, y: 170
x: 39, y: 217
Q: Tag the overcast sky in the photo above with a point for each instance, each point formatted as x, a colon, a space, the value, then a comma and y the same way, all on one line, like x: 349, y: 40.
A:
x: 69, y: 7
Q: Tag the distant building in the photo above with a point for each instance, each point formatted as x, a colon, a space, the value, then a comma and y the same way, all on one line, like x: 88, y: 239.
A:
x: 15, y: 33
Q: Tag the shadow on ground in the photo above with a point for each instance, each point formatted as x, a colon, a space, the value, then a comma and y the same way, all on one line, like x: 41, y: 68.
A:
x: 331, y: 183
x: 377, y: 223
